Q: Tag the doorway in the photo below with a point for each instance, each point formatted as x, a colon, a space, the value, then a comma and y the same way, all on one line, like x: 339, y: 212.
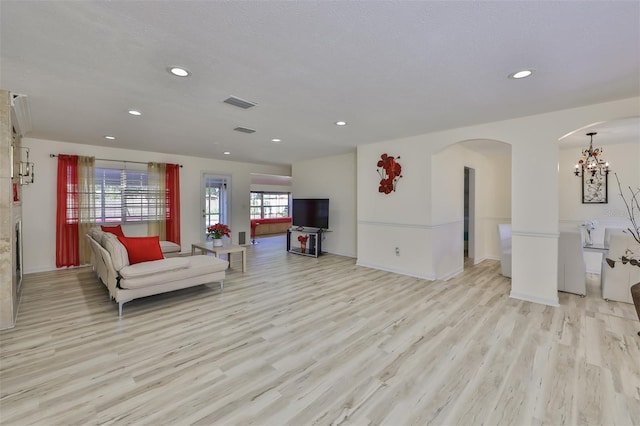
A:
x: 469, y: 212
x: 215, y: 201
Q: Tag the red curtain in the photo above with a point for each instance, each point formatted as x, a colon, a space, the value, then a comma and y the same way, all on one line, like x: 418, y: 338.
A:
x: 67, y: 242
x: 173, y: 202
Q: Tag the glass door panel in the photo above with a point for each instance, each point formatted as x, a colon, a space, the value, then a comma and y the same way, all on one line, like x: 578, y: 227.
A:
x: 214, y: 201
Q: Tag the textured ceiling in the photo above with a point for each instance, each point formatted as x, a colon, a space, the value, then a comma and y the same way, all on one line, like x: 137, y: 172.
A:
x: 391, y: 69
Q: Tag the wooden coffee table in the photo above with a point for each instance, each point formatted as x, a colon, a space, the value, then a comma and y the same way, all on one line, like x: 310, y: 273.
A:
x: 208, y: 247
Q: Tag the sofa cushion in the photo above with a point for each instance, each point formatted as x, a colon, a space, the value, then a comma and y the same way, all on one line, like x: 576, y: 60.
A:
x: 142, y: 249
x: 96, y: 233
x: 115, y: 230
x: 117, y: 251
x: 169, y: 247
x: 154, y: 267
x: 200, y: 265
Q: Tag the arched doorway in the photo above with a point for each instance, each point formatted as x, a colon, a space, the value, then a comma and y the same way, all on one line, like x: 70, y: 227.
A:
x: 479, y: 172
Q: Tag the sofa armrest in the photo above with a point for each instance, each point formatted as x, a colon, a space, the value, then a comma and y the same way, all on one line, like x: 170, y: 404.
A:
x: 169, y: 247
x: 154, y: 267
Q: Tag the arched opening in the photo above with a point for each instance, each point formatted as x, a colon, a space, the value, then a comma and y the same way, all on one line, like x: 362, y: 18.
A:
x: 619, y: 140
x: 479, y: 171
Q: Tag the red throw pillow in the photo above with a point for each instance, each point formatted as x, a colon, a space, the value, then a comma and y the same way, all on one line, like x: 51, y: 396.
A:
x: 115, y: 230
x: 142, y: 249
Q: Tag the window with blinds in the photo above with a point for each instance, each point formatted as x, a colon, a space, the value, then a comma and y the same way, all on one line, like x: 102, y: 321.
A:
x: 127, y: 196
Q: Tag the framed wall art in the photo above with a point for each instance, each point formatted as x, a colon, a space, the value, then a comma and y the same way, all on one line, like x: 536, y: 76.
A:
x: 595, y: 188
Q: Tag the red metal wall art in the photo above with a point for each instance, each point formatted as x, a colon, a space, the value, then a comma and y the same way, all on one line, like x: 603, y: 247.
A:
x: 390, y: 172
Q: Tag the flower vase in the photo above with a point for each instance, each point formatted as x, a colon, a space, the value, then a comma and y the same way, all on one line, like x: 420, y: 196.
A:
x: 303, y: 247
x: 217, y: 242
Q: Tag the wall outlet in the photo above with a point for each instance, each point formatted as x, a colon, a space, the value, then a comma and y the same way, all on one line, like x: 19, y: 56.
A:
x: 397, y: 251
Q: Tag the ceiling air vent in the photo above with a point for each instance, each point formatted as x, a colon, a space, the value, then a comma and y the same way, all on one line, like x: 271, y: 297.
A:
x: 241, y: 103
x: 244, y: 130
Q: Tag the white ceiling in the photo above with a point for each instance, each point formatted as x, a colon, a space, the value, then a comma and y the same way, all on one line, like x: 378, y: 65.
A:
x: 623, y: 130
x: 390, y: 68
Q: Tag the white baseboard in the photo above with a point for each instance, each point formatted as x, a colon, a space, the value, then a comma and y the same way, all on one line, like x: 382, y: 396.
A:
x: 477, y: 261
x: 452, y: 274
x: 337, y: 253
x: 535, y: 299
x: 397, y: 271
x: 39, y: 269
x: 51, y: 268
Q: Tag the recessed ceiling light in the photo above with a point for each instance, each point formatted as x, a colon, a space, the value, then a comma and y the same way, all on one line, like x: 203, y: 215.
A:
x: 226, y: 153
x: 521, y: 74
x: 134, y: 112
x: 179, y: 71
x: 276, y: 140
x: 111, y: 138
x: 341, y: 123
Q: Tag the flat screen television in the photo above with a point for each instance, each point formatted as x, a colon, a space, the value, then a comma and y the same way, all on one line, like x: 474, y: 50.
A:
x: 311, y: 212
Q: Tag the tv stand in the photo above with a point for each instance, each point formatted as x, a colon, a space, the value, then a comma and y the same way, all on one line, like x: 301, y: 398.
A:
x: 314, y: 243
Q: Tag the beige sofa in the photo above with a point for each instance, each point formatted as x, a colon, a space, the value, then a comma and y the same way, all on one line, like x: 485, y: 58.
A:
x: 126, y: 282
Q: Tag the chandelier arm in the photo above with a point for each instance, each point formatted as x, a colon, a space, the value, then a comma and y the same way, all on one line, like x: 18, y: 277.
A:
x: 590, y: 163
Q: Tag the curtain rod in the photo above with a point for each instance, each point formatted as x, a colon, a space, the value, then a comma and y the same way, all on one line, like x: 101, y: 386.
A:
x: 117, y: 161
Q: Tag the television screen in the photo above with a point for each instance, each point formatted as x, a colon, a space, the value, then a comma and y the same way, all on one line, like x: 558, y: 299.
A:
x: 311, y: 212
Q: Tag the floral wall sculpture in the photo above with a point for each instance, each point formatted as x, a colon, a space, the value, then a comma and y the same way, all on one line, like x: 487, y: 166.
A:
x: 390, y: 172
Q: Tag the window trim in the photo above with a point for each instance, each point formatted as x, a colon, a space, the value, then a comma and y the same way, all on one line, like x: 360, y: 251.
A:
x: 262, y: 206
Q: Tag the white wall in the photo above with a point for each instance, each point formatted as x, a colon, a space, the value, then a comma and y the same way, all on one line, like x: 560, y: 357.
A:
x: 492, y: 205
x: 400, y: 219
x: 39, y: 198
x: 447, y: 209
x: 534, y: 196
x: 270, y: 188
x: 425, y: 216
x: 333, y: 178
x: 624, y: 159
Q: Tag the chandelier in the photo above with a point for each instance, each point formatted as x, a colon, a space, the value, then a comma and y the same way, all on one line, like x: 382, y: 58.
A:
x: 591, y: 164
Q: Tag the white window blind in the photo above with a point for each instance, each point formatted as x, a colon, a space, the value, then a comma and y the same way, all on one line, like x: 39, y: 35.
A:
x: 126, y: 196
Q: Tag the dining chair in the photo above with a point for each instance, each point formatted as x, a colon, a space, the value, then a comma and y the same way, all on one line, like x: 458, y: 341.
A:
x: 572, y: 270
x: 618, y: 274
x: 608, y: 232
x: 504, y: 232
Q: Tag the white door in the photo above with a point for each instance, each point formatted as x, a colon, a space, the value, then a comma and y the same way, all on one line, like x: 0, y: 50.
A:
x: 215, y: 201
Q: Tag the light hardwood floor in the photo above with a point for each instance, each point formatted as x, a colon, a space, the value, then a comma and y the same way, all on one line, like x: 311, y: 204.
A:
x: 300, y: 341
